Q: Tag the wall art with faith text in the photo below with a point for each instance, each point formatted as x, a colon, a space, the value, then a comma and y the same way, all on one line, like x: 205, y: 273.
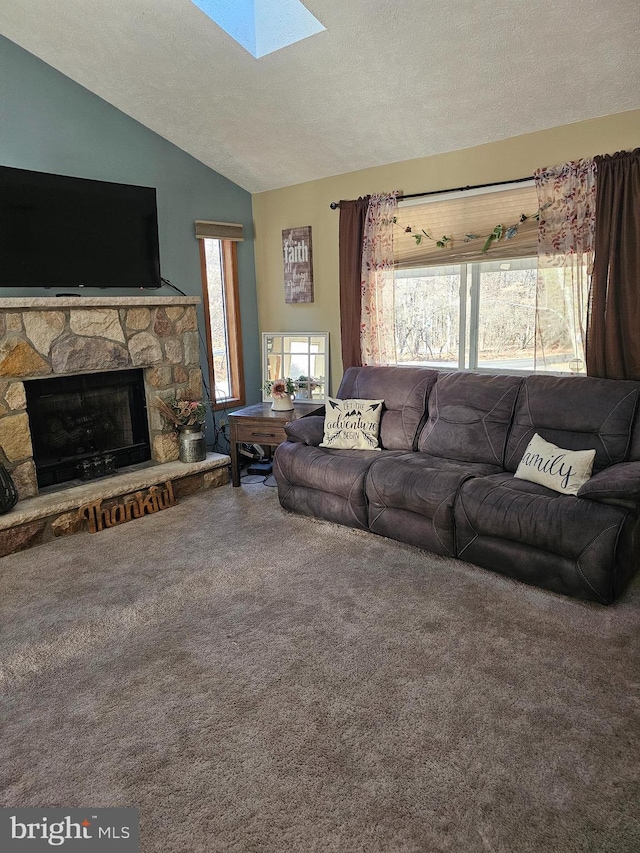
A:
x: 297, y: 257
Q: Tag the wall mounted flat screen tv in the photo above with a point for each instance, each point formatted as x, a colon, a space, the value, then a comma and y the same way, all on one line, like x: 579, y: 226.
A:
x: 59, y: 232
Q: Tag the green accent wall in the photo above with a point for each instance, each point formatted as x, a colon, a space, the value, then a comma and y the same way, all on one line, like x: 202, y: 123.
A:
x: 49, y: 123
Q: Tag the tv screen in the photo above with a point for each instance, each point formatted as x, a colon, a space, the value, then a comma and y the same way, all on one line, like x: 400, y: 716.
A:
x: 57, y: 232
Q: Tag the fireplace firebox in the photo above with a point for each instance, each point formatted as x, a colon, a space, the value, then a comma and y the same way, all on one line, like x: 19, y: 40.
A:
x: 74, y: 419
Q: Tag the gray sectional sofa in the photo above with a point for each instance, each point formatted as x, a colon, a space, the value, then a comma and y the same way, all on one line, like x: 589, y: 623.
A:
x: 444, y: 480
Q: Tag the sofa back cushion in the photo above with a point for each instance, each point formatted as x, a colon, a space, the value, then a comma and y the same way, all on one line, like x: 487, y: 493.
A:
x: 469, y: 417
x: 405, y: 391
x: 576, y: 412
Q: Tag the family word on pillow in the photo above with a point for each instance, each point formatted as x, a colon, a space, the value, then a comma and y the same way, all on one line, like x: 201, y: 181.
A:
x: 352, y: 424
x: 563, y: 471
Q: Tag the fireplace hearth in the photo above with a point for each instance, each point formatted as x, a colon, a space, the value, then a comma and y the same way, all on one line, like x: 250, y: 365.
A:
x: 86, y: 426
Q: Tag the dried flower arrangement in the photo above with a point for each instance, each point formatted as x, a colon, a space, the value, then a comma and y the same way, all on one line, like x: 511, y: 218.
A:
x: 182, y: 412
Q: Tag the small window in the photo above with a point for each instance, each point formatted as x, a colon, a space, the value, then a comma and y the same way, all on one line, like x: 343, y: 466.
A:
x: 219, y: 266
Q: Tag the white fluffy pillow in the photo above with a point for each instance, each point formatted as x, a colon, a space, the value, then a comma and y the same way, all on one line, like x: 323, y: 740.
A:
x: 352, y: 424
x: 563, y: 471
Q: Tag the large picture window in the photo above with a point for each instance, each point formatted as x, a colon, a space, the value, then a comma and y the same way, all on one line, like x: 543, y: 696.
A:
x: 482, y: 315
x: 478, y: 305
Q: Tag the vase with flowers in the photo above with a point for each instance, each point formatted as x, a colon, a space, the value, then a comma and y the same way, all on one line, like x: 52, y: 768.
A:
x: 305, y: 386
x: 188, y: 416
x: 281, y: 391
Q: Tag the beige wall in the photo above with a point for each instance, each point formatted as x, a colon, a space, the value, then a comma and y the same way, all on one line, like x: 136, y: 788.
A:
x: 308, y: 204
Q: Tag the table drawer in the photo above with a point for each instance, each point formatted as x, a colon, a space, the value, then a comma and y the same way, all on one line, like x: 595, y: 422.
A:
x: 270, y: 434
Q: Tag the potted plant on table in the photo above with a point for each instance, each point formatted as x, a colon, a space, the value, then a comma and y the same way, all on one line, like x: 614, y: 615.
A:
x: 305, y: 386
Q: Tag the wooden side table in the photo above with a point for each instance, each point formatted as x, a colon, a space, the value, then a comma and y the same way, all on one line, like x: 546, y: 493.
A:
x: 259, y: 424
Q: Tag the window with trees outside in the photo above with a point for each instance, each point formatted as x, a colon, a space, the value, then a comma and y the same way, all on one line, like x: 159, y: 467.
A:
x: 222, y: 320
x: 468, y: 308
x: 481, y: 316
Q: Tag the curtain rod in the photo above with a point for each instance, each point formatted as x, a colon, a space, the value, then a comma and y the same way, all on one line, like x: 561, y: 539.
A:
x: 336, y: 204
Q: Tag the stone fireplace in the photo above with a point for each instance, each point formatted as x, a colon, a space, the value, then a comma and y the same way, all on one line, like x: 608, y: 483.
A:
x: 77, y: 422
x: 49, y: 338
x: 50, y: 347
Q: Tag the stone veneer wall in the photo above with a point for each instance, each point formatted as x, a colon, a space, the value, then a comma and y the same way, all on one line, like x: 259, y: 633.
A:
x: 42, y: 337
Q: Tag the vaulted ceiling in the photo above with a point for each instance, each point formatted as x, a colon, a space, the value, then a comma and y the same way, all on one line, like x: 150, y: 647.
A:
x: 387, y: 80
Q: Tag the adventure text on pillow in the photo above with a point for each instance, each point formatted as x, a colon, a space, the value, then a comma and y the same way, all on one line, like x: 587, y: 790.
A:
x: 352, y: 424
x: 563, y: 471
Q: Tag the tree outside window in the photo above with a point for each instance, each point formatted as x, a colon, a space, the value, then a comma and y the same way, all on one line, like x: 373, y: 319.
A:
x: 483, y: 316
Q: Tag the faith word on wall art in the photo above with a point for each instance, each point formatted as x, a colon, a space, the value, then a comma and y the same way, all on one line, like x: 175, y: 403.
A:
x: 298, y: 264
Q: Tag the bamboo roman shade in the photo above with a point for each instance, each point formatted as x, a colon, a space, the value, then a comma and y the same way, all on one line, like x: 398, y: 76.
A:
x: 463, y: 215
x: 219, y: 231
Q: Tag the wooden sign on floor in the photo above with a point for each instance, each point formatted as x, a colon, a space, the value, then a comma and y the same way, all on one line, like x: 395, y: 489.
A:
x: 128, y: 507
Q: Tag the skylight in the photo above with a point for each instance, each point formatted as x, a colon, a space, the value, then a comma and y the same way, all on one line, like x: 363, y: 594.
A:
x: 262, y: 26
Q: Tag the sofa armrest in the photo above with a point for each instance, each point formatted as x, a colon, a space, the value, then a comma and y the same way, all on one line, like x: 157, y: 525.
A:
x: 307, y: 430
x: 619, y: 482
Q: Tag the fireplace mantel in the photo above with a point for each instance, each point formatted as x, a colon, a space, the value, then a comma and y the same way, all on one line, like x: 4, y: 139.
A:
x: 41, y: 303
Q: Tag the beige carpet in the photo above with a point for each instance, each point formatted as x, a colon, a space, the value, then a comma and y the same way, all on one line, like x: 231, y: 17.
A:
x: 256, y: 681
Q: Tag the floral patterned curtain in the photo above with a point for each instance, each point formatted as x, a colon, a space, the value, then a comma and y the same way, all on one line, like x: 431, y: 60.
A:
x: 377, y: 323
x: 566, y: 240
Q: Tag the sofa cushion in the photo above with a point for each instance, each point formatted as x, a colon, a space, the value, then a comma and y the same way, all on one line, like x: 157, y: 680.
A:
x: 413, y: 483
x: 405, y: 391
x: 500, y: 508
x: 339, y: 474
x: 563, y: 471
x: 352, y: 424
x: 577, y: 412
x: 469, y: 417
x: 337, y: 471
x: 411, y: 498
x: 500, y: 505
x: 426, y: 462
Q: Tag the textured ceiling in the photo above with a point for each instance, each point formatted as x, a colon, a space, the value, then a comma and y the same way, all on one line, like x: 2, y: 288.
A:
x: 388, y: 80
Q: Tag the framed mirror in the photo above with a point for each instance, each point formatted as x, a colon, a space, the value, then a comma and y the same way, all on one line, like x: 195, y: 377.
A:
x: 302, y: 357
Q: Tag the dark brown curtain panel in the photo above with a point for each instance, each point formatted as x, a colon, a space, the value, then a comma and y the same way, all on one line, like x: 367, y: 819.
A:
x: 613, y: 328
x: 352, y: 218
